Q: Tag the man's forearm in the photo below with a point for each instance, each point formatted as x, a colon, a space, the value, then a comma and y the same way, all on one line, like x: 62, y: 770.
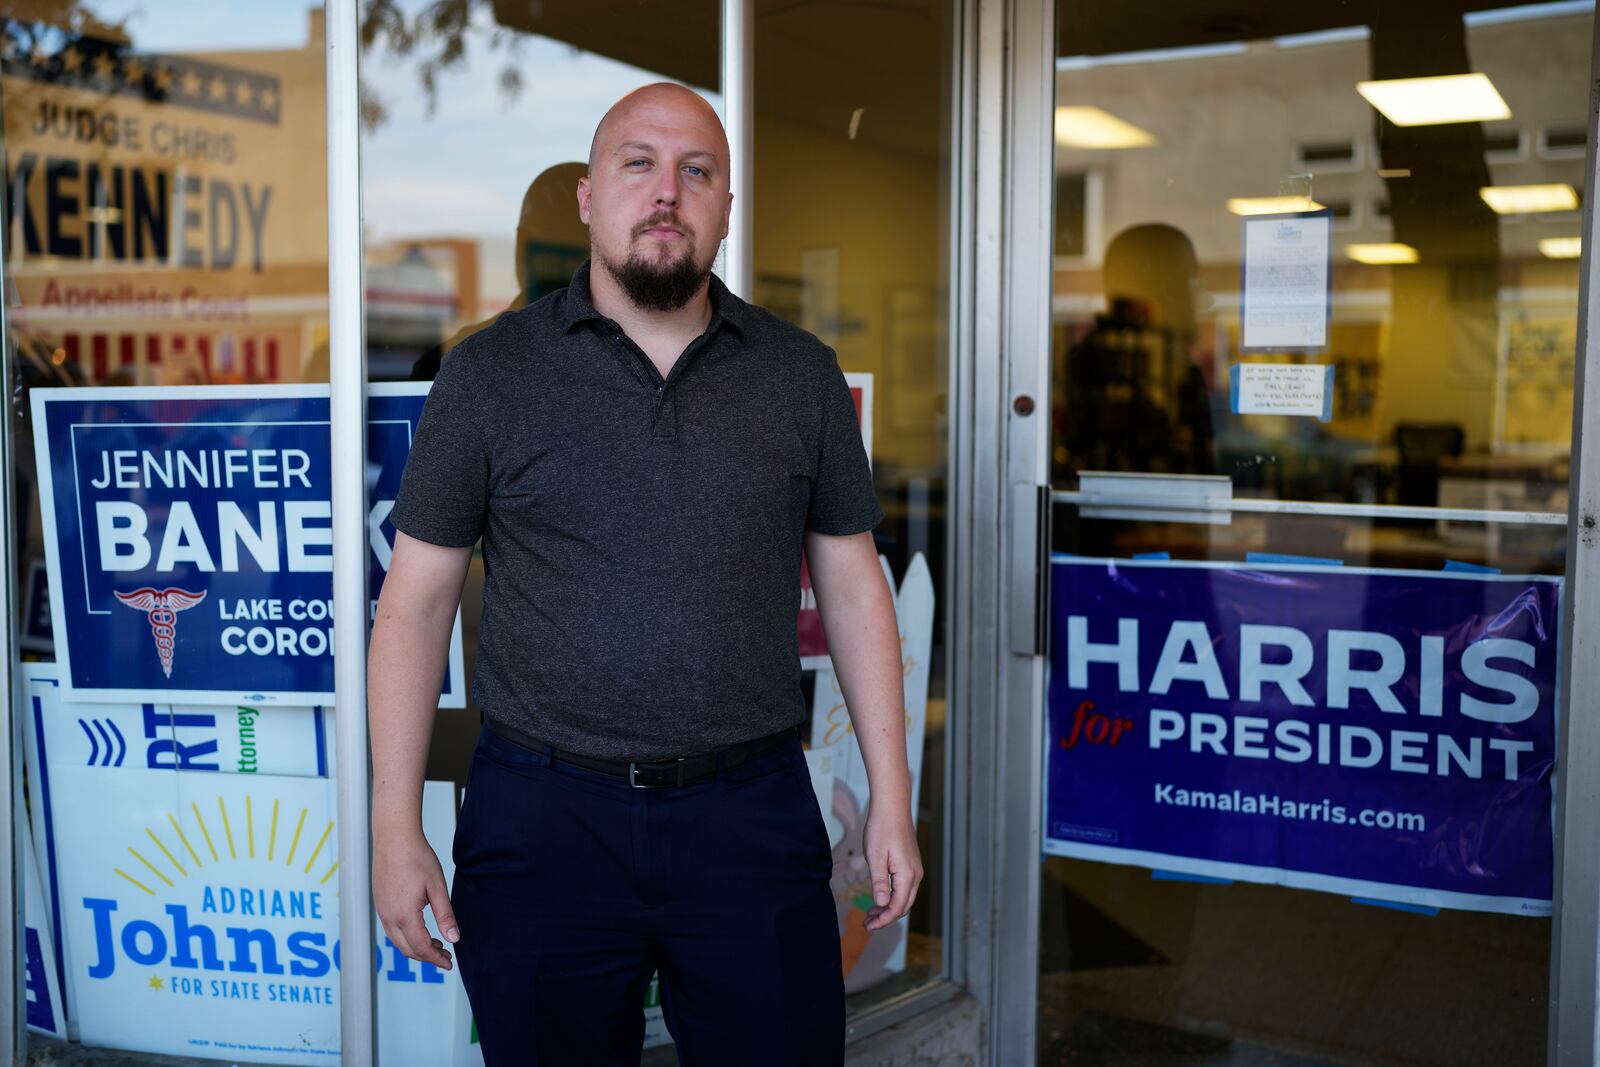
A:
x: 405, y: 668
x: 864, y: 642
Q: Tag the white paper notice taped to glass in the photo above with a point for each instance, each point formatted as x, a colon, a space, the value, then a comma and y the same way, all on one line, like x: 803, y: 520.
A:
x: 1286, y: 282
x: 1282, y: 389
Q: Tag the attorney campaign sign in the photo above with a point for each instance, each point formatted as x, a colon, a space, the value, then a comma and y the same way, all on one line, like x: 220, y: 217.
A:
x: 189, y: 544
x: 1385, y: 734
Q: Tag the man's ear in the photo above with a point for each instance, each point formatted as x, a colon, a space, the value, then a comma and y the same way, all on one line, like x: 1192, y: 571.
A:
x: 583, y: 199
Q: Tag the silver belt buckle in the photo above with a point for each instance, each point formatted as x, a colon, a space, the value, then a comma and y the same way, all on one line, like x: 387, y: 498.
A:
x: 633, y: 775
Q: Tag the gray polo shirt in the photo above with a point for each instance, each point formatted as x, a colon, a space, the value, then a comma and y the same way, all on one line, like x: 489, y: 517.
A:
x: 641, y: 536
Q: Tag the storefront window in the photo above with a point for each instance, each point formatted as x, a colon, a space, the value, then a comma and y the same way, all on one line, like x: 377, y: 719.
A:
x: 1323, y: 257
x: 852, y: 238
x: 166, y: 297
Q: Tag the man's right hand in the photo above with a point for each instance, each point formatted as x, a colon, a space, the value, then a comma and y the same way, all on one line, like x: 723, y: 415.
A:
x: 406, y: 876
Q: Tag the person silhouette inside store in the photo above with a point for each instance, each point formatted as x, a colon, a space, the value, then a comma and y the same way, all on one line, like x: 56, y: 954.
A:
x: 551, y: 243
x: 1130, y: 396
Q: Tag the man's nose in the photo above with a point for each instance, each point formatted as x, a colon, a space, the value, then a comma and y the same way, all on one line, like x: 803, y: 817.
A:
x: 667, y: 187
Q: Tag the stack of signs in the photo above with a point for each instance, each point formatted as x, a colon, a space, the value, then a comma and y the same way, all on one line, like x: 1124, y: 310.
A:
x: 839, y: 776
x: 208, y: 887
x: 1385, y: 734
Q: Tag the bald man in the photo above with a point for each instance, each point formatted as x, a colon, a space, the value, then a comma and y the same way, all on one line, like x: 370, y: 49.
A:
x: 644, y: 456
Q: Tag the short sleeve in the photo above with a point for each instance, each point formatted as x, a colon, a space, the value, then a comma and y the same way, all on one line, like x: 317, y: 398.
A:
x: 444, y: 492
x: 842, y: 498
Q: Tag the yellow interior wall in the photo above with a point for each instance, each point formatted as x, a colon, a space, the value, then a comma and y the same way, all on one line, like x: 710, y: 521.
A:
x: 1440, y: 366
x: 881, y: 210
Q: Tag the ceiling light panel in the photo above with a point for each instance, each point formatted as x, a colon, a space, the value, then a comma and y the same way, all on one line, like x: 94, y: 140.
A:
x: 1271, y: 205
x: 1091, y: 127
x: 1529, y: 199
x: 1436, y: 101
x: 1561, y: 247
x: 1378, y: 254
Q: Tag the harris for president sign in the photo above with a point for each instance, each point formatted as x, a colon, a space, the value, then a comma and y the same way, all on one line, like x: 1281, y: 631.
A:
x: 1385, y: 734
x: 189, y: 539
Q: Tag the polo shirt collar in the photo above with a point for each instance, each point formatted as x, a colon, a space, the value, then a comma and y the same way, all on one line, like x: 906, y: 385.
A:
x: 725, y: 307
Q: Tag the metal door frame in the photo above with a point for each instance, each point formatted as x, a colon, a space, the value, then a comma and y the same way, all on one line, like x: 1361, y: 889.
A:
x: 1574, y: 1038
x: 1014, y: 101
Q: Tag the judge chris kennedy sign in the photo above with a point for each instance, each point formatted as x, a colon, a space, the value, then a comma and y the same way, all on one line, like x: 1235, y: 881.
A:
x: 189, y: 539
x: 1386, y: 734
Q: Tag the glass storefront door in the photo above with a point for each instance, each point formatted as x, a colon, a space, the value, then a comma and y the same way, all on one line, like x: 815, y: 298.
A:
x: 1314, y: 315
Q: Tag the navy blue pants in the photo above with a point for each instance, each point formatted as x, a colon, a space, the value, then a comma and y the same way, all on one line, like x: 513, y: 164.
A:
x: 572, y: 888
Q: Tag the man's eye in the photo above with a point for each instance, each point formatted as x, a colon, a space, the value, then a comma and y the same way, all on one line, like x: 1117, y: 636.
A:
x: 696, y: 171
x: 637, y: 162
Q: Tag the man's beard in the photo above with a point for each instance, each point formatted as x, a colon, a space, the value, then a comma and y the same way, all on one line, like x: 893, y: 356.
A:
x: 651, y: 285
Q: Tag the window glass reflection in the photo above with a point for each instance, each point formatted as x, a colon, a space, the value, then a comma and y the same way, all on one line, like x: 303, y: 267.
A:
x: 166, y: 228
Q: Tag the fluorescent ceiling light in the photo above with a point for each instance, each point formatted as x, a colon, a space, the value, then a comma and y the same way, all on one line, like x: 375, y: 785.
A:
x: 1561, y: 247
x: 1151, y: 55
x: 1434, y: 101
x: 1529, y: 199
x: 1271, y: 205
x: 1338, y: 36
x: 1090, y: 127
x: 1381, y: 253
x: 1525, y: 11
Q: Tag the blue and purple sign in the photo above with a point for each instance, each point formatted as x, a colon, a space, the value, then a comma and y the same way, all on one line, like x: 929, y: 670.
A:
x: 189, y: 539
x: 1382, y: 734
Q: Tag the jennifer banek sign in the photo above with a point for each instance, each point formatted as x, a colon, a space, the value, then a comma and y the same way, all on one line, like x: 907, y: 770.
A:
x: 1386, y: 734
x: 189, y: 543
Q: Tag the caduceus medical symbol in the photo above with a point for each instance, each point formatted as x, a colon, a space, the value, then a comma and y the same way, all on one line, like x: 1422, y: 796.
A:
x: 161, y: 607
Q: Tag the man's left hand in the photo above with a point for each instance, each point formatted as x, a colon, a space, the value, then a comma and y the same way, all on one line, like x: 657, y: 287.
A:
x: 895, y: 864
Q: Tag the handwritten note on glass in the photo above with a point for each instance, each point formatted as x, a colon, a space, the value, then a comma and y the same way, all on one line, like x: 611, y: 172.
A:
x: 1282, y: 389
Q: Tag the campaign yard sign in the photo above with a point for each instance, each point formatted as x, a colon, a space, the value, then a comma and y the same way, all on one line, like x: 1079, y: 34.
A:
x: 189, y: 544
x: 113, y: 739
x: 201, y: 917
x: 1384, y: 734
x: 839, y: 779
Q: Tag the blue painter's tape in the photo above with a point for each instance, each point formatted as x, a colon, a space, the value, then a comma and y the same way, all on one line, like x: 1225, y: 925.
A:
x: 1395, y: 905
x: 1182, y: 876
x: 1152, y: 555
x: 1469, y: 568
x: 1304, y: 561
x: 317, y: 727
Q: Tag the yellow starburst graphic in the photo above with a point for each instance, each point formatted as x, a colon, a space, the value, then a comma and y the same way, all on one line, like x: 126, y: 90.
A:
x: 184, y: 845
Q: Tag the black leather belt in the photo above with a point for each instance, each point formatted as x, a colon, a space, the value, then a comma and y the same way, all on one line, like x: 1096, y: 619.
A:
x: 651, y: 775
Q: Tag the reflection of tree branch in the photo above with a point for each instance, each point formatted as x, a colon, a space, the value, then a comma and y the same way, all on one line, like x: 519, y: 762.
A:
x: 439, y: 34
x: 70, y: 16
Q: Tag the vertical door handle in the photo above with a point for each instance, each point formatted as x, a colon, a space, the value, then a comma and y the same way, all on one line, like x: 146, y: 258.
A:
x: 1028, y: 584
